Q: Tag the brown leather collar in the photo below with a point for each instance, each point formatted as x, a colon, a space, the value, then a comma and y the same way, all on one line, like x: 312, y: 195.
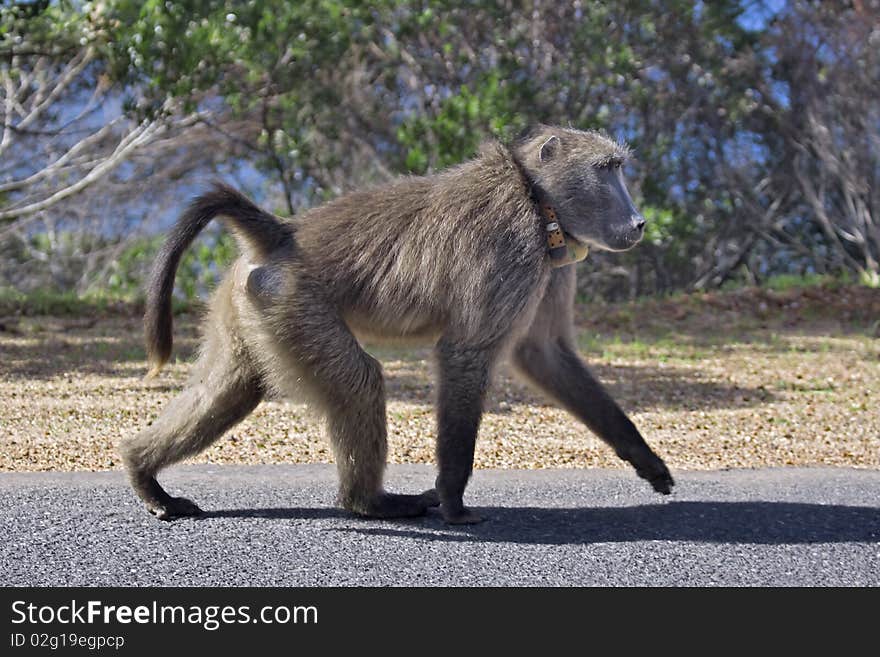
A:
x: 560, y: 251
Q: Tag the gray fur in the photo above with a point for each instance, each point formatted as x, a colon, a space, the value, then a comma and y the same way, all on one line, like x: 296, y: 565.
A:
x: 457, y: 259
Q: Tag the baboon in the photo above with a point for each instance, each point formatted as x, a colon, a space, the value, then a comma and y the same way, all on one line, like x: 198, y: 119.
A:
x: 471, y: 260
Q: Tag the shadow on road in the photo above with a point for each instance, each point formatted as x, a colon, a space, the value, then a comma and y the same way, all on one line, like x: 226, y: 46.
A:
x: 316, y: 513
x: 704, y: 522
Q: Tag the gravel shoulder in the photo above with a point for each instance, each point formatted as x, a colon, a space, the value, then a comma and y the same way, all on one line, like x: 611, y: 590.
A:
x: 711, y: 385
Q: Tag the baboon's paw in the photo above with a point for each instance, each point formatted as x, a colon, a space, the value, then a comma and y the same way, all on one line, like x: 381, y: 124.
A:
x: 650, y: 467
x: 174, y: 507
x: 462, y: 517
x: 431, y: 497
x: 658, y: 477
x: 663, y: 484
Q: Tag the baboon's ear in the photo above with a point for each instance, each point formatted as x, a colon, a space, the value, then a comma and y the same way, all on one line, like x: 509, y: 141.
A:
x: 549, y: 149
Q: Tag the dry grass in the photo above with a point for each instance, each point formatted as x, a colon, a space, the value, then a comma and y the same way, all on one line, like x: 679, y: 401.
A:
x: 713, y: 381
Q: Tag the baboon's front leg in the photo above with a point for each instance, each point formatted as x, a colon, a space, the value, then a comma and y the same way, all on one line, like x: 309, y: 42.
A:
x: 464, y: 377
x: 555, y: 368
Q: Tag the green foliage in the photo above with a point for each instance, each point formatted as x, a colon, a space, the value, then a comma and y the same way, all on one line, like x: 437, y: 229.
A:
x: 59, y: 24
x: 275, y: 61
x: 197, y: 273
x: 328, y: 94
x: 60, y: 303
x: 186, y: 46
x: 666, y: 228
x: 202, y: 265
x: 789, y: 282
x: 444, y: 75
x: 869, y: 279
x: 783, y: 282
x: 125, y: 277
x: 462, y: 121
x: 121, y: 289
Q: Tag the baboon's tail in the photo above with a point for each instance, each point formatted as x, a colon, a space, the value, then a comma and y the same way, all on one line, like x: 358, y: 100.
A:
x: 261, y: 231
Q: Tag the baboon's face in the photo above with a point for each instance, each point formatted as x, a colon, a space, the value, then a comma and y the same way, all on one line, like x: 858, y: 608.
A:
x: 613, y: 223
x: 581, y: 173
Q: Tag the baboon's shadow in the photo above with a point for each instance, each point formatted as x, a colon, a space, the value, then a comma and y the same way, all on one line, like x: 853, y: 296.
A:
x: 278, y: 513
x: 761, y: 523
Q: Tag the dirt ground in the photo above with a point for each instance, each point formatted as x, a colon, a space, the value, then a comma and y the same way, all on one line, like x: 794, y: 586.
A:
x: 742, y: 379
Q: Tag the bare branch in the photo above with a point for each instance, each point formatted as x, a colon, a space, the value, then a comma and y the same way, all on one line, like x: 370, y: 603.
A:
x: 130, y: 142
x: 44, y: 100
x: 72, y: 152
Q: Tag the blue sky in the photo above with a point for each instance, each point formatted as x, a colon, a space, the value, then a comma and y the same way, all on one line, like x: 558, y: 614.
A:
x: 759, y: 12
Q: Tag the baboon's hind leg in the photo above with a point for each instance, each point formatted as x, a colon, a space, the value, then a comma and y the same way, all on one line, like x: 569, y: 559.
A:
x: 218, y: 395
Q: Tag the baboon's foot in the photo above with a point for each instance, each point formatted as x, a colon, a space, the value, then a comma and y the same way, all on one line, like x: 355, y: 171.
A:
x: 159, y: 502
x: 452, y: 506
x: 393, y: 505
x: 173, y: 507
x: 651, y: 468
x: 431, y: 497
x: 461, y: 516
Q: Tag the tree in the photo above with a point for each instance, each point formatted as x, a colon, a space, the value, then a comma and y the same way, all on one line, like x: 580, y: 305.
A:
x: 67, y: 126
x: 340, y: 94
x: 754, y: 126
x: 828, y: 68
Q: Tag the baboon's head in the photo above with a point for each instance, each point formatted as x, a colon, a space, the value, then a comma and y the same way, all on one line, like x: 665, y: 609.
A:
x: 580, y: 174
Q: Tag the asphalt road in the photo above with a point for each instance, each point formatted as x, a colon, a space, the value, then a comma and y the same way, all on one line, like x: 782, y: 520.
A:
x: 276, y: 525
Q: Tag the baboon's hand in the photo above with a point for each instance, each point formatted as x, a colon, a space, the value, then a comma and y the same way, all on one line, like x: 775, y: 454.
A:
x: 657, y: 474
x: 660, y: 480
x: 651, y: 468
